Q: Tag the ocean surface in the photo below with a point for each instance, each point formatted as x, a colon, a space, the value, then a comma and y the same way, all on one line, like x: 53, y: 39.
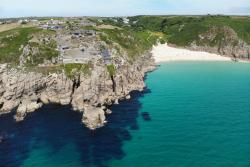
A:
x: 192, y: 114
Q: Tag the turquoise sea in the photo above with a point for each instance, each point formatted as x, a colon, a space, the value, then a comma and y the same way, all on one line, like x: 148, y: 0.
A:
x: 192, y: 114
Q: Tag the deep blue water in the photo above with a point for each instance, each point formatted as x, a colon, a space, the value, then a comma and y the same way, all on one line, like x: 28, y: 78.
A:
x: 192, y: 114
x: 55, y: 136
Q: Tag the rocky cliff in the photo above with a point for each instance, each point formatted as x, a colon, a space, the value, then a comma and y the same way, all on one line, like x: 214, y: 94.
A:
x: 224, y: 41
x: 25, y: 92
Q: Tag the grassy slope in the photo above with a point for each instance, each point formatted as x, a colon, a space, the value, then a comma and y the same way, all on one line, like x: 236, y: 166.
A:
x: 72, y: 69
x: 134, y: 42
x: 183, y: 31
x: 12, y: 40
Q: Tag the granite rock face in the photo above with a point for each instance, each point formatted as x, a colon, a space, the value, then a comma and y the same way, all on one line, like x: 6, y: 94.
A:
x: 224, y: 41
x: 25, y: 92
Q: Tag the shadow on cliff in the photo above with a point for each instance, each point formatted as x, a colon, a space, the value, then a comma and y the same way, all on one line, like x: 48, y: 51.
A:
x: 55, y: 127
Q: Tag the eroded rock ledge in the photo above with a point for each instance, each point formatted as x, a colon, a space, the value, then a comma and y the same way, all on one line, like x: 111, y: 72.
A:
x: 25, y: 92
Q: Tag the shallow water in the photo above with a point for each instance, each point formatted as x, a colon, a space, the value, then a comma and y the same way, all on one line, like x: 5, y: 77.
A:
x: 192, y: 114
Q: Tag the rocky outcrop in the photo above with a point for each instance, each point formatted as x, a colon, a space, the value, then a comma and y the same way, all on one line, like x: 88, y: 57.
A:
x: 25, y: 92
x: 224, y: 41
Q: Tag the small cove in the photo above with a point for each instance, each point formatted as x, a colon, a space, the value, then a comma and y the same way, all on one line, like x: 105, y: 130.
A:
x: 191, y: 114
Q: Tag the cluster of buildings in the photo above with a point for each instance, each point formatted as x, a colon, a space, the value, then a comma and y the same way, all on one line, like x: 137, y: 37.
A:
x: 106, y: 56
x: 51, y: 27
x: 124, y: 20
x: 56, y: 24
x: 6, y: 22
x: 82, y: 33
x: 53, y: 24
x: 19, y: 21
x: 82, y: 54
x: 86, y: 22
x: 25, y: 21
x: 77, y: 45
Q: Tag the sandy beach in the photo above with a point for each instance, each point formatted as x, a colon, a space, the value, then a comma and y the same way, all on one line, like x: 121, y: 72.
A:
x: 164, y: 53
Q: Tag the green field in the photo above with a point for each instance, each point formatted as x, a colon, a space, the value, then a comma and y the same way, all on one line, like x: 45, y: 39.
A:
x: 73, y: 69
x: 183, y: 30
x: 13, y: 41
x: 132, y: 41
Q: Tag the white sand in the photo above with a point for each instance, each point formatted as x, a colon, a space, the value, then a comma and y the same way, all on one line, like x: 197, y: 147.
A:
x: 163, y: 53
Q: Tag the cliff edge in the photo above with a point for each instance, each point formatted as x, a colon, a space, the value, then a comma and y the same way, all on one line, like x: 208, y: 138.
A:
x: 25, y: 92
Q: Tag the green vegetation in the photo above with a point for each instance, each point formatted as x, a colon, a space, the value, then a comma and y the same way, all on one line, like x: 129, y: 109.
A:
x: 71, y: 70
x: 45, y: 70
x: 134, y: 38
x: 45, y: 52
x: 183, y: 31
x: 111, y: 69
x: 74, y: 68
x: 11, y: 41
x: 152, y: 23
x: 133, y: 41
x: 116, y: 21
